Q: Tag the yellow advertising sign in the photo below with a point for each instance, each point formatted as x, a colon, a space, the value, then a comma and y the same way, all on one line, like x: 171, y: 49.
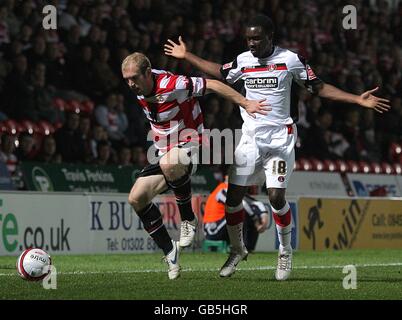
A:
x: 349, y: 223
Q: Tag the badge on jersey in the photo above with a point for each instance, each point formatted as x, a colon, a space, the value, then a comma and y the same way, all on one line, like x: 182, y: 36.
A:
x: 227, y: 65
x: 310, y: 73
x: 272, y: 67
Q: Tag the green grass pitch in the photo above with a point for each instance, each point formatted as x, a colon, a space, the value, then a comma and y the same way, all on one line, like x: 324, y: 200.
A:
x: 316, y: 275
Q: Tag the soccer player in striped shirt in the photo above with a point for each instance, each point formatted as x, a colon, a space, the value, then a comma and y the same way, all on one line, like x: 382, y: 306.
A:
x: 170, y: 103
x: 266, y: 70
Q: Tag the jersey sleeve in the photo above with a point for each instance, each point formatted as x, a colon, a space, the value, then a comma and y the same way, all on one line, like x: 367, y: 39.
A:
x: 304, y: 75
x: 253, y: 207
x: 194, y: 86
x: 231, y: 71
x: 221, y: 196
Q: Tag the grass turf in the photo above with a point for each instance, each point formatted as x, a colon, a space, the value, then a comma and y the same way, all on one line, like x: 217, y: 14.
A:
x: 316, y: 275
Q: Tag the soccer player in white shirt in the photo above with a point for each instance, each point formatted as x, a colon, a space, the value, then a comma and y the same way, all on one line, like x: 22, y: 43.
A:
x: 170, y: 103
x: 266, y: 149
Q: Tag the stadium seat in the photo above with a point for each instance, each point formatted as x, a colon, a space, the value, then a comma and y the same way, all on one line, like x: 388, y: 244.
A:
x: 59, y: 103
x: 398, y: 168
x: 353, y: 166
x: 341, y: 166
x: 364, y: 167
x: 387, y: 168
x: 376, y: 168
x: 215, y: 246
x: 317, y: 165
x: 45, y: 128
x: 87, y: 106
x: 73, y: 106
x: 395, y: 152
x: 11, y: 127
x: 329, y: 165
x: 305, y: 164
x: 3, y: 127
x: 29, y: 126
x: 58, y: 125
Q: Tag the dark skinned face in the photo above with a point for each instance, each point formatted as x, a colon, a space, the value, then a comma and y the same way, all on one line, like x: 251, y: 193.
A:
x: 259, y: 43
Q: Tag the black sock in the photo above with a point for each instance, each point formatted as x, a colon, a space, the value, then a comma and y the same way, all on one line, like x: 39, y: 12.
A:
x: 153, y: 224
x: 182, y: 191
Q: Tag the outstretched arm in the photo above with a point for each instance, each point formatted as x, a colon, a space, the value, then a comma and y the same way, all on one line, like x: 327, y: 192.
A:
x: 179, y: 51
x: 366, y: 99
x: 251, y: 106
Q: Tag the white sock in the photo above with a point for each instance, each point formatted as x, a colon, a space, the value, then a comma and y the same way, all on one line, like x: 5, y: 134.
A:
x: 234, y: 226
x: 236, y: 236
x: 284, y: 231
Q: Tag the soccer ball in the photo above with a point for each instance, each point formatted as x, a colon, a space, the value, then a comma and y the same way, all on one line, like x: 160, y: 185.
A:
x: 33, y: 264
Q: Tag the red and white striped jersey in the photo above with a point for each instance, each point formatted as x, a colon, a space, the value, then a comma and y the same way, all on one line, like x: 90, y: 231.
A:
x: 173, y: 109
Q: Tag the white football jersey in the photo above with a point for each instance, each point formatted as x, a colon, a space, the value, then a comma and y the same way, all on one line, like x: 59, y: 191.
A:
x: 269, y: 78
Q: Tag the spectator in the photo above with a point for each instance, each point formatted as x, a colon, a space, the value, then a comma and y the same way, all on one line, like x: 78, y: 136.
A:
x: 120, y: 109
x: 68, y: 18
x: 26, y: 150
x: 4, y: 28
x: 215, y: 223
x: 98, y: 135
x: 82, y: 72
x: 104, y: 154
x: 84, y: 130
x: 138, y: 156
x: 112, y: 120
x: 26, y: 37
x: 56, y: 73
x: 351, y: 129
x: 26, y: 14
x: 37, y: 53
x: 7, y: 153
x: 42, y: 96
x: 389, y: 127
x: 72, y: 43
x: 69, y: 141
x: 48, y: 152
x: 18, y: 91
x: 321, y: 142
x: 124, y: 157
x: 370, y: 140
x: 94, y: 38
x: 104, y: 78
x: 87, y: 20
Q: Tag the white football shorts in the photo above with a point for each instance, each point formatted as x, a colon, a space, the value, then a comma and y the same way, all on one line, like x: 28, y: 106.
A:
x: 264, y: 155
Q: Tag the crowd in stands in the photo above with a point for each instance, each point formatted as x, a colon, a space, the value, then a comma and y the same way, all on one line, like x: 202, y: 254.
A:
x: 69, y: 79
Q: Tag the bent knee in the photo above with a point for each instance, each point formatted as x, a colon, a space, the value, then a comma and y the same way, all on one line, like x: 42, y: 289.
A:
x: 137, y: 201
x: 173, y: 171
x: 277, y: 198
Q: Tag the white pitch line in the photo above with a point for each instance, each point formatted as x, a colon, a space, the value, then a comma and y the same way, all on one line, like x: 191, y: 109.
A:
x: 366, y: 265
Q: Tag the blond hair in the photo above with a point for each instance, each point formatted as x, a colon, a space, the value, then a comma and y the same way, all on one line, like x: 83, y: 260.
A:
x: 137, y: 58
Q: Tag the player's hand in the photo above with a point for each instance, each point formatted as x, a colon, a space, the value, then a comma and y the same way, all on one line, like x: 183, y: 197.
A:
x: 256, y: 106
x: 369, y: 101
x: 262, y: 225
x: 176, y: 50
